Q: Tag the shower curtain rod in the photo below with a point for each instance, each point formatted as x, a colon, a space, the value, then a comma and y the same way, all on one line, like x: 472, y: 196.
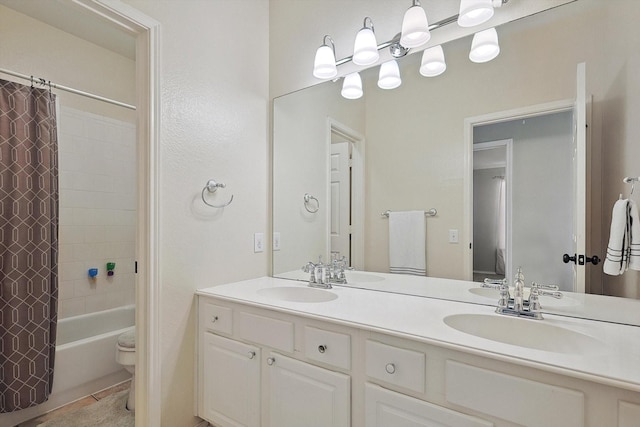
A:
x: 40, y: 81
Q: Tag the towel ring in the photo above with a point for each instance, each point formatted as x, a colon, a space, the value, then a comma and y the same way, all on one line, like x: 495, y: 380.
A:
x: 307, y: 198
x: 212, y: 187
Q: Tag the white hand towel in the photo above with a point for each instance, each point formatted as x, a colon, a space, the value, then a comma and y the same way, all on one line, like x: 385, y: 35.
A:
x: 616, y: 261
x: 634, y: 241
x: 407, y: 247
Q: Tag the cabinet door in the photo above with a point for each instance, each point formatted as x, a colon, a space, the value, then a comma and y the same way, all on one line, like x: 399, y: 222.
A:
x: 230, y: 383
x: 301, y: 394
x: 385, y: 408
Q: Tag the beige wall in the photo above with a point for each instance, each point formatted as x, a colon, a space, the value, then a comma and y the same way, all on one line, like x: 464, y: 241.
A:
x: 214, y: 109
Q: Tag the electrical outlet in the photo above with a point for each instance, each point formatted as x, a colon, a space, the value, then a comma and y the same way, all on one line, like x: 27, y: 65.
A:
x: 453, y: 236
x: 276, y: 241
x: 258, y: 242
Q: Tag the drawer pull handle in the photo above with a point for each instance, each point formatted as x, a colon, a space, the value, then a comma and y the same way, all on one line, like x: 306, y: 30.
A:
x: 322, y: 348
x: 214, y: 319
x: 390, y: 368
x: 271, y: 361
x: 251, y: 354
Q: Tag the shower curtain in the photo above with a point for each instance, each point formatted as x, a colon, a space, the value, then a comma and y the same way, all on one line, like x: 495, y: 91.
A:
x: 28, y: 244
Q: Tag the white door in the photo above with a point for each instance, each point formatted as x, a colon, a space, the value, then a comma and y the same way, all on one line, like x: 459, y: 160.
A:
x: 385, y: 408
x: 301, y: 394
x: 580, y: 179
x: 340, y: 200
x: 231, y: 383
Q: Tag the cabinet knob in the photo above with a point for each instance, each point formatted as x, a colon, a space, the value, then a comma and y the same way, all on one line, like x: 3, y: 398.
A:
x: 251, y: 354
x: 390, y: 368
x: 322, y: 348
x: 271, y: 361
x: 214, y: 319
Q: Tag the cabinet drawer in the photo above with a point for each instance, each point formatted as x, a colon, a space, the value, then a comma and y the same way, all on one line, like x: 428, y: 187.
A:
x: 215, y: 318
x: 328, y: 347
x: 513, y: 398
x: 394, y: 365
x: 274, y: 333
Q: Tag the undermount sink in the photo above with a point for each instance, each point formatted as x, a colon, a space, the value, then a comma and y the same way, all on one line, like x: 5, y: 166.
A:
x: 357, y: 277
x: 545, y: 301
x: 535, y: 334
x: 298, y: 294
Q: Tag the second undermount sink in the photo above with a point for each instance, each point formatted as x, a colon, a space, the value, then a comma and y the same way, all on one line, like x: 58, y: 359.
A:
x: 535, y: 334
x: 298, y: 294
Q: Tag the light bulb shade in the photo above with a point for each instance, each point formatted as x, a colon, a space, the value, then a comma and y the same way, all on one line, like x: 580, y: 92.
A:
x: 433, y: 63
x: 389, y: 77
x: 365, y: 48
x: 484, y: 46
x: 474, y: 12
x: 352, y: 86
x: 324, y: 66
x: 415, y: 27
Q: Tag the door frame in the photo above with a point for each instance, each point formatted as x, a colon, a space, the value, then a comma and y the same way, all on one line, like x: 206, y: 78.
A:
x: 146, y: 31
x: 487, y: 119
x: 357, y: 185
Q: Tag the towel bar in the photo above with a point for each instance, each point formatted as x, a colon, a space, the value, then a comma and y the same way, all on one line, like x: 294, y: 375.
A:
x: 430, y: 212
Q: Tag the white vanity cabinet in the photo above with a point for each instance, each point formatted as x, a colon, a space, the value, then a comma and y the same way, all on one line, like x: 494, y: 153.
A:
x: 287, y: 364
x: 248, y: 374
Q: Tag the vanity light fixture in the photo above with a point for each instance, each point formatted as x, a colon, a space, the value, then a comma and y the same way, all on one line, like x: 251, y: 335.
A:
x: 433, y: 63
x: 415, y: 27
x: 352, y: 86
x: 365, y: 48
x: 324, y: 66
x: 415, y: 33
x: 474, y: 12
x: 389, y: 77
x: 484, y: 46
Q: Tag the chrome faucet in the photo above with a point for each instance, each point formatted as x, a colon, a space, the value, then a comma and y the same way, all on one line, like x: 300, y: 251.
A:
x: 518, y: 305
x: 323, y: 275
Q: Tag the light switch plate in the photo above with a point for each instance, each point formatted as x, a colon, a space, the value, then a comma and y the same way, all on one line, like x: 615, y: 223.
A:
x: 453, y: 236
x: 276, y: 241
x: 258, y: 242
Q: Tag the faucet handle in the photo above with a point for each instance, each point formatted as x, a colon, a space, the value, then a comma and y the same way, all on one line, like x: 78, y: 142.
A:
x: 494, y: 283
x: 556, y: 294
x: 550, y: 287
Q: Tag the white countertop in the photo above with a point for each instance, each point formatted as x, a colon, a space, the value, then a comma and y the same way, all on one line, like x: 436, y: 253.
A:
x: 615, y: 362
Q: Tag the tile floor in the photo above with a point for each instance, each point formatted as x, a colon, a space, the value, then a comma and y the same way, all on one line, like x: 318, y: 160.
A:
x: 75, y: 405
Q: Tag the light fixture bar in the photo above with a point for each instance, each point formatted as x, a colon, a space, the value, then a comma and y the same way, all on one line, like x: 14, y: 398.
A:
x: 439, y: 24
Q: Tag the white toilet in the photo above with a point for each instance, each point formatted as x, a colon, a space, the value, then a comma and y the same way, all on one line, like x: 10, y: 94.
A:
x: 126, y: 356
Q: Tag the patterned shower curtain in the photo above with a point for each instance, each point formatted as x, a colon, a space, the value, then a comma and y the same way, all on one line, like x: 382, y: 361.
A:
x: 28, y: 244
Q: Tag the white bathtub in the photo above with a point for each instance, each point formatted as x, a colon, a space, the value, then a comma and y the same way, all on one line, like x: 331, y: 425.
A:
x: 85, y: 359
x: 86, y: 346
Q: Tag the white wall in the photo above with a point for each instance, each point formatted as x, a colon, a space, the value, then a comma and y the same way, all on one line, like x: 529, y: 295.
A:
x: 97, y: 158
x: 214, y: 109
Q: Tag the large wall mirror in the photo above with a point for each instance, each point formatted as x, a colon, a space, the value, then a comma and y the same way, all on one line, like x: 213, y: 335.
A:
x: 517, y: 199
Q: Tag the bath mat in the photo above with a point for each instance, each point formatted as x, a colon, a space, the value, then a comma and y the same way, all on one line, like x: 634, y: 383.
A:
x: 108, y: 412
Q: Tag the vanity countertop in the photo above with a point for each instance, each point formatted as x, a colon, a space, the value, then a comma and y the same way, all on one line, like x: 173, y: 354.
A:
x: 614, y: 359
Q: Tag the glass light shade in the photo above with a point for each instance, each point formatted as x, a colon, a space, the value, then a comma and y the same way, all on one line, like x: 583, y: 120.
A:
x: 389, y: 77
x: 433, y: 63
x: 352, y: 86
x: 484, y: 46
x: 365, y: 48
x: 415, y: 27
x: 474, y: 12
x: 324, y: 66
